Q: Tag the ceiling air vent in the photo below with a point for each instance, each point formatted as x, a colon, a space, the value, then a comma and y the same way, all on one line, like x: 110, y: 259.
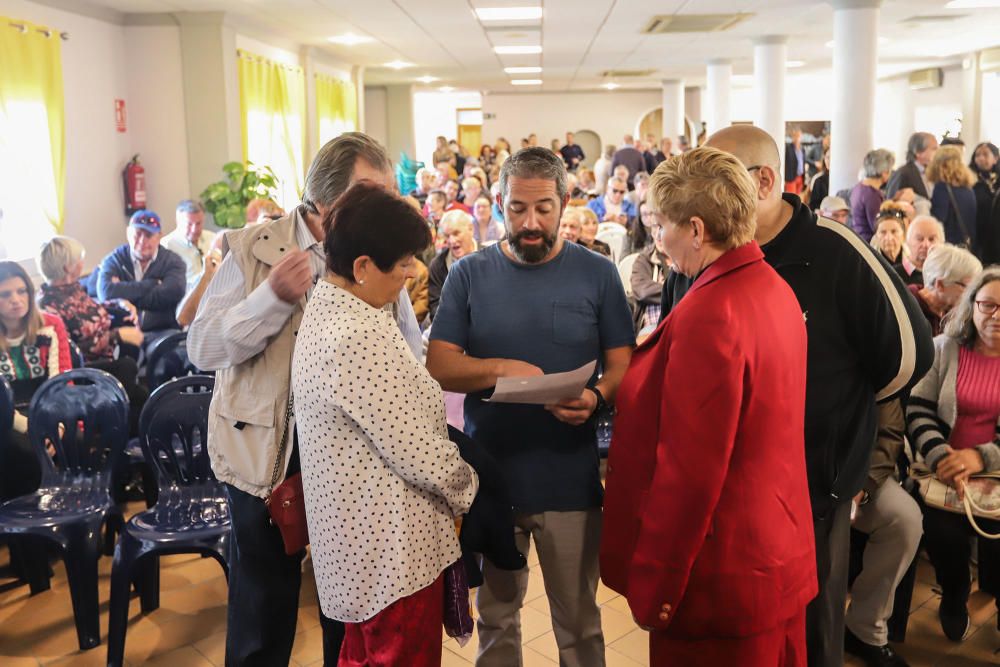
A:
x: 626, y: 73
x: 932, y: 18
x: 924, y: 79
x: 668, y: 23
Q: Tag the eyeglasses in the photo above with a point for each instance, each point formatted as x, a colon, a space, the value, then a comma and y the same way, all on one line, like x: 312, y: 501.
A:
x: 987, y: 307
x: 619, y: 192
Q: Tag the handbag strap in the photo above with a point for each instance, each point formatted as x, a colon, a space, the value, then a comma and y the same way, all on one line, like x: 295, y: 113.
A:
x: 283, y: 445
x: 969, y: 505
x: 958, y: 215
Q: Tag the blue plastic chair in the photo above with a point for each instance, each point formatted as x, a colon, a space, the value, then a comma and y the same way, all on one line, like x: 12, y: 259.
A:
x: 191, y: 514
x: 168, y: 359
x: 74, y: 502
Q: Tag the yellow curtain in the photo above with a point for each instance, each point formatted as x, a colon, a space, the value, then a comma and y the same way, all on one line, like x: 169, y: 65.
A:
x: 272, y: 110
x: 336, y: 107
x: 32, y: 136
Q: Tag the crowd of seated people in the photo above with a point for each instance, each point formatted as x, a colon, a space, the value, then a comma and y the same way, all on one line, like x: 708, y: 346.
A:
x: 509, y: 263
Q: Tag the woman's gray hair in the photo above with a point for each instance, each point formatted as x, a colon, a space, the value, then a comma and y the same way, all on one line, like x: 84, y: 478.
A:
x: 331, y: 169
x: 609, y: 151
x: 958, y: 323
x: 949, y: 264
x: 56, y: 255
x: 534, y: 162
x: 877, y: 162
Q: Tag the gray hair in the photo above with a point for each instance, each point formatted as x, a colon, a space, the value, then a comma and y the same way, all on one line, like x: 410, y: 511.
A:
x: 917, y: 144
x: 609, y: 151
x: 958, y: 323
x: 331, y: 170
x: 190, y: 206
x: 456, y: 217
x: 640, y: 177
x: 878, y: 161
x: 534, y: 162
x: 931, y: 218
x: 56, y: 255
x: 949, y: 263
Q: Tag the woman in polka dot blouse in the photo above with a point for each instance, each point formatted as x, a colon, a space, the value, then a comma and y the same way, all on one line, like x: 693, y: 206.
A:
x: 383, y: 484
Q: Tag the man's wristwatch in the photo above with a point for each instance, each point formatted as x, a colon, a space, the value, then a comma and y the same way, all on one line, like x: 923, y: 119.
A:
x: 601, y: 403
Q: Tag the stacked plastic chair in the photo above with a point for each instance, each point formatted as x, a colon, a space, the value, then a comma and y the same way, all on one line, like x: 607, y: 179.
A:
x: 191, y: 514
x: 168, y: 359
x: 406, y: 173
x: 82, y: 415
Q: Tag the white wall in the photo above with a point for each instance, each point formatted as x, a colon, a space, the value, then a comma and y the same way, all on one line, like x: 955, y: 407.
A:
x: 990, y: 119
x: 94, y: 75
x: 156, y: 124
x: 610, y: 114
x: 436, y: 113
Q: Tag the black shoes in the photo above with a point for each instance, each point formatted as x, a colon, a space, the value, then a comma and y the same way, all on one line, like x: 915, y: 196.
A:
x: 954, y: 617
x: 874, y: 656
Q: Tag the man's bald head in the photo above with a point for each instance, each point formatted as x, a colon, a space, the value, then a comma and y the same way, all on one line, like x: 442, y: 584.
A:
x: 751, y: 145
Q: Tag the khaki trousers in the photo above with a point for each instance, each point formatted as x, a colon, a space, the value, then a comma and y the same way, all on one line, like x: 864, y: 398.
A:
x: 568, y: 547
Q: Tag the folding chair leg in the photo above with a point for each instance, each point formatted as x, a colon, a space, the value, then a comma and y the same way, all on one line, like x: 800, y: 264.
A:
x: 149, y: 590
x: 121, y: 574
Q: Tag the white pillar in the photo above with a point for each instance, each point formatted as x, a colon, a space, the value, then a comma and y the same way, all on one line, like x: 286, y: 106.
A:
x: 673, y: 108
x: 717, y: 112
x: 972, y: 102
x: 855, y: 60
x: 769, y: 55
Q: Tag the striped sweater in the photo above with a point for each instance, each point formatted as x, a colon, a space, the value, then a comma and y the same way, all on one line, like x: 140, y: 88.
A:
x: 933, y: 409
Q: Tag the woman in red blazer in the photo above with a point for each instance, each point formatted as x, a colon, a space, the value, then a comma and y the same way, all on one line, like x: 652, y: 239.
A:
x: 707, y: 523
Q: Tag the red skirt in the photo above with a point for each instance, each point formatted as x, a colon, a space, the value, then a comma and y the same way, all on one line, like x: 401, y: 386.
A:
x: 406, y: 633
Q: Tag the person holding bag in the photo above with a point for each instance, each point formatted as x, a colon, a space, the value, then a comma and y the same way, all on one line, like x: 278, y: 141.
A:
x: 953, y: 201
x: 953, y: 419
x: 382, y: 482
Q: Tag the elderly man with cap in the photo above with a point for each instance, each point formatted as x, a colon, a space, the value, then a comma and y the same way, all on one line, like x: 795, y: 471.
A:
x: 835, y: 208
x: 148, y: 276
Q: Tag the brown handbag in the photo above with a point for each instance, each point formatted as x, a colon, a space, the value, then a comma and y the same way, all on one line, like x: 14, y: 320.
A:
x: 286, y: 503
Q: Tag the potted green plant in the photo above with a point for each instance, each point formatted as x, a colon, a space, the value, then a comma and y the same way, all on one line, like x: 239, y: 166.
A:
x: 227, y: 199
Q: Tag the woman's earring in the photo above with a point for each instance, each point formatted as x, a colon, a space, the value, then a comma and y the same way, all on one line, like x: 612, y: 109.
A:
x: 361, y: 282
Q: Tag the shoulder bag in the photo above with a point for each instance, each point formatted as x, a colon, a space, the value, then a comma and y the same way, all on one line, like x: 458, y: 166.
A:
x: 286, y: 503
x: 966, y: 239
x: 982, y: 496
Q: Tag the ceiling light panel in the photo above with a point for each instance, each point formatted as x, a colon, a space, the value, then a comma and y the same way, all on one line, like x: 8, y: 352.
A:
x: 350, y: 39
x: 525, y: 82
x: 522, y: 70
x: 509, y: 13
x: 517, y: 50
x: 398, y: 64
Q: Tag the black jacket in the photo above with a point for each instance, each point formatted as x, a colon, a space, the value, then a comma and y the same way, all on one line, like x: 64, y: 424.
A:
x: 155, y: 296
x: 907, y: 176
x: 792, y: 162
x: 868, y: 341
x: 988, y: 220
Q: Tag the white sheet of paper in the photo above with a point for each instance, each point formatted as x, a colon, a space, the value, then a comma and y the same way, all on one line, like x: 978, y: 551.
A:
x: 543, y: 389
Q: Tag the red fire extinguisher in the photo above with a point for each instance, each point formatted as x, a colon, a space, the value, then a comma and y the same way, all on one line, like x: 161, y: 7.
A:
x: 134, y: 180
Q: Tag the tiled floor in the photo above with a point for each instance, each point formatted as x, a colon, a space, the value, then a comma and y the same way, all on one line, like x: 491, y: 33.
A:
x: 189, y: 628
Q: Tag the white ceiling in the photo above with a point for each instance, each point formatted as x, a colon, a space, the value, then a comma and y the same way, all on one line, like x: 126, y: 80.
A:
x: 583, y: 38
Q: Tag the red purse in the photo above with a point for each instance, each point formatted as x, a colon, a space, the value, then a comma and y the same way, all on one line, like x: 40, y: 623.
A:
x: 286, y: 504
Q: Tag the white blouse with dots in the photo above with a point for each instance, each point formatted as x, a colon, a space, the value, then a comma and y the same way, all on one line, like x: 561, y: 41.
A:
x: 382, y: 481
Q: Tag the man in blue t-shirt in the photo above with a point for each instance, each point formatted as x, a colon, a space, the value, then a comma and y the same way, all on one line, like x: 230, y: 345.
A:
x: 529, y: 305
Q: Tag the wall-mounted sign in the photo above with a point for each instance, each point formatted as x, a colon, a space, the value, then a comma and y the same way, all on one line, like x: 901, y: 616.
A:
x: 120, y: 119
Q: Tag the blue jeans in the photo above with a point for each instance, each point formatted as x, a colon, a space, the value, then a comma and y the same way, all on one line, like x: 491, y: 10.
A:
x: 264, y: 589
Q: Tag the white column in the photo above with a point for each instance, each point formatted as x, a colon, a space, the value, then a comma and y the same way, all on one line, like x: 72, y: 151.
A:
x: 972, y: 102
x: 855, y: 60
x: 717, y: 112
x: 673, y: 108
x: 769, y: 55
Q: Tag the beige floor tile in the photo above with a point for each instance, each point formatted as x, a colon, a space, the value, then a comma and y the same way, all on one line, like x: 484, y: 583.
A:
x: 615, y: 659
x: 979, y: 649
x: 467, y: 652
x: 536, y: 659
x: 546, y: 645
x: 182, y: 657
x: 213, y: 648
x: 982, y: 609
x: 449, y: 659
x: 308, y: 646
x: 150, y: 641
x: 17, y: 660
x: 619, y: 604
x: 615, y: 624
x: 925, y: 643
x: 534, y: 624
x: 95, y: 657
x: 634, y: 645
x: 536, y: 584
x: 923, y: 593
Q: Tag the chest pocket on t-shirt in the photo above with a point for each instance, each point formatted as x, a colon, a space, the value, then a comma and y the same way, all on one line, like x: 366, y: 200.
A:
x: 573, y: 323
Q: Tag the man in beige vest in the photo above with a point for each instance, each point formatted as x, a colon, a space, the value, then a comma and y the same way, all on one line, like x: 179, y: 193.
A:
x: 245, y: 329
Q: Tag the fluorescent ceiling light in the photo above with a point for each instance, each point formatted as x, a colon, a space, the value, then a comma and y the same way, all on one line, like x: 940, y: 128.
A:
x: 882, y: 41
x: 522, y: 70
x: 972, y: 4
x: 794, y: 64
x: 350, y: 39
x: 525, y: 82
x: 517, y: 50
x: 446, y: 89
x: 398, y: 64
x: 427, y: 79
x: 508, y: 13
x: 611, y: 85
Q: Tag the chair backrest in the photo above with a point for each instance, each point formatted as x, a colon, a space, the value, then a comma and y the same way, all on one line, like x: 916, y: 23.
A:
x: 90, y: 407
x: 173, y: 429
x: 625, y: 272
x: 615, y: 236
x: 6, y: 407
x: 168, y: 359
